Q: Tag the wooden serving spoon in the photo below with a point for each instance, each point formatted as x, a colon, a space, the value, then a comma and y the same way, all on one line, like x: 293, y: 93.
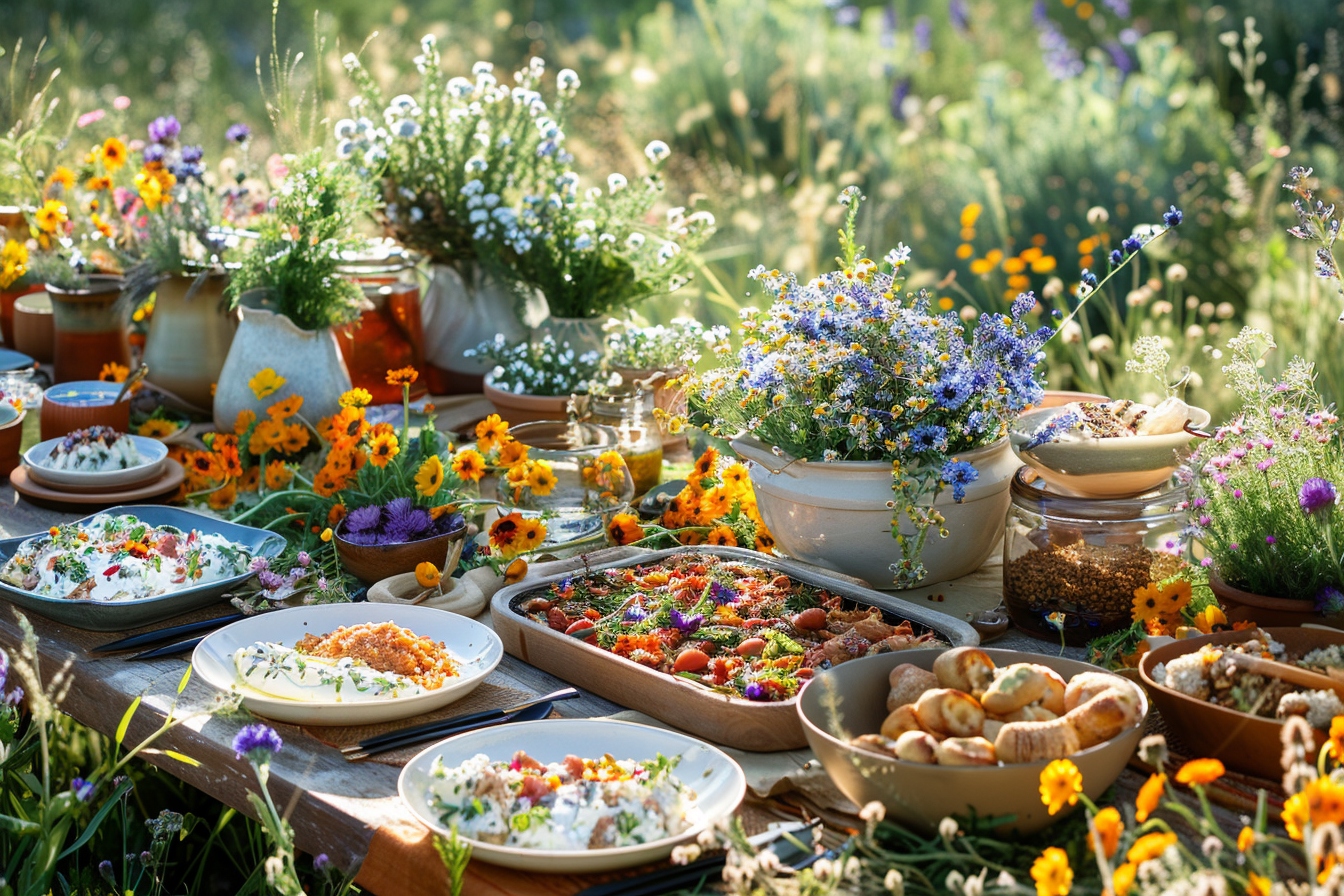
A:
x: 1291, y: 674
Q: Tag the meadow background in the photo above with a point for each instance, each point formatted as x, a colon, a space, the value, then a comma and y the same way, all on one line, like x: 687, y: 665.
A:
x: 1009, y: 143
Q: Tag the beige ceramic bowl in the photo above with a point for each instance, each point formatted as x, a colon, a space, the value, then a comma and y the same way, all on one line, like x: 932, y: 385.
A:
x: 1103, y: 468
x: 918, y: 795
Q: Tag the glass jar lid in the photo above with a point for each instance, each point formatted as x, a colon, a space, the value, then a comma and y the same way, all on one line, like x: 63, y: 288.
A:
x: 1031, y: 492
x: 380, y: 256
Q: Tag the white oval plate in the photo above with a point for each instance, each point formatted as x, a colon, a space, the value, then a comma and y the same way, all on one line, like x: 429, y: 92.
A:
x: 475, y: 647
x: 717, y: 780
x: 153, y: 453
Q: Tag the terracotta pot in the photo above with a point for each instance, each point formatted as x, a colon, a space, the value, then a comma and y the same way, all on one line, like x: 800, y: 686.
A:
x: 1243, y: 606
x: 11, y: 437
x: 836, y: 514
x: 463, y: 307
x: 7, y: 299
x: 81, y: 404
x: 371, y: 563
x: 309, y: 360
x: 90, y: 326
x: 34, y: 327
x: 189, y: 336
x: 514, y: 408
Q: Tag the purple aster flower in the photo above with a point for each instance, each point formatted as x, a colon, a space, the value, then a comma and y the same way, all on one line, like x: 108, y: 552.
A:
x: 192, y: 154
x: 83, y: 790
x: 257, y: 742
x: 755, y: 691
x: 363, y: 519
x: 164, y: 129
x: 1317, y: 495
x: 154, y: 152
x: 686, y: 624
x: 722, y: 595
x: 321, y: 862
x: 105, y: 872
x: 237, y: 133
x: 1173, y: 216
x: 269, y: 580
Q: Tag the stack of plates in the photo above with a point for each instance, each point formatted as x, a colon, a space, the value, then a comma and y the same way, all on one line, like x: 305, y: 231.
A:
x: 157, y: 475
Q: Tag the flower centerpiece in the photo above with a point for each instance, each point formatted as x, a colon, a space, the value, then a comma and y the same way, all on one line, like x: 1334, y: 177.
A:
x: 291, y: 293
x: 593, y: 253
x: 454, y: 160
x: 1265, y: 503
x: 848, y: 390
x: 532, y: 380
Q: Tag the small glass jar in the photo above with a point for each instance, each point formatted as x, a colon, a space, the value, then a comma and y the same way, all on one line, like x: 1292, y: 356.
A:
x: 389, y: 334
x: 641, y: 441
x: 589, y: 481
x: 1071, y: 565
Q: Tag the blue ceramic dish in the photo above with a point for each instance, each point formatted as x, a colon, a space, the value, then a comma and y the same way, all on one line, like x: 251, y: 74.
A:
x: 122, y: 615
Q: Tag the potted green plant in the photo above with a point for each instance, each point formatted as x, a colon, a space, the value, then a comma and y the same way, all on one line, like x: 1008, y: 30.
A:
x: 291, y: 294
x: 533, y: 380
x: 660, y: 358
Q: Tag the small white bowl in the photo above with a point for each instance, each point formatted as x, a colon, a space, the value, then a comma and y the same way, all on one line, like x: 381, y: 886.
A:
x: 153, y: 454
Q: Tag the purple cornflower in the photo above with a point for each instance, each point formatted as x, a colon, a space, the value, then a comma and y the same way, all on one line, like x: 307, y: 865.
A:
x: 164, y: 129
x: 1265, y: 464
x: 1330, y: 601
x: 192, y: 154
x: 257, y: 742
x: 722, y: 595
x: 959, y: 474
x: 686, y: 624
x: 237, y: 133
x: 321, y: 862
x: 83, y: 790
x: 1317, y: 495
x: 1172, y: 217
x: 1130, y: 245
x: 755, y: 691
x: 1117, y: 257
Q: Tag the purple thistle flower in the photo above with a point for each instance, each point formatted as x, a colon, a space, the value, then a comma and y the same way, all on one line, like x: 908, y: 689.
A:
x: 755, y: 691
x: 1206, y: 562
x: 1172, y: 217
x: 686, y: 624
x: 1330, y: 602
x: 1233, y: 546
x: 83, y: 790
x: 722, y: 595
x: 237, y: 133
x: 1265, y: 464
x: 164, y: 129
x: 258, y: 743
x: 1317, y: 495
x: 363, y: 519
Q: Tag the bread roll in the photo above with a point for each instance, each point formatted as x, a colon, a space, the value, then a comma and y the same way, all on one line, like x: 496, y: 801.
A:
x: 1055, y: 688
x: 966, y: 669
x: 908, y: 682
x: 917, y: 746
x: 1036, y: 741
x: 1032, y: 712
x: 1104, y: 716
x: 1015, y: 687
x: 901, y: 720
x: 950, y: 713
x: 966, y: 751
x: 1086, y: 685
x: 876, y: 743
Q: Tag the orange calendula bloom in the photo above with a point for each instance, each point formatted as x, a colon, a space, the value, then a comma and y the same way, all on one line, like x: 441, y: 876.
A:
x: 356, y: 398
x: 722, y: 536
x: 403, y: 376
x: 512, y: 453
x: 490, y: 432
x: 266, y: 435
x: 531, y: 534
x: 204, y: 468
x: 250, y: 479
x: 1257, y: 885
x: 226, y: 449
x: 1336, y: 743
x: 223, y: 497
x: 624, y: 528
x: 1061, y: 782
x: 429, y: 478
x: 716, y: 503
x: 1150, y: 794
x: 469, y: 465
x: 114, y: 373
x: 98, y: 184
x: 335, y: 514
x: 1123, y: 878
x: 1246, y: 839
x: 345, y: 427
x: 112, y: 154
x: 156, y: 428
x: 1052, y: 873
x: 278, y: 474
x: 285, y: 408
x: 1150, y: 846
x: 504, y: 534
x: 382, y: 449
x: 736, y: 479
x: 541, y: 478
x: 1200, y: 771
x: 294, y: 438
x: 705, y: 464
x: 326, y: 483
x: 62, y: 177
x: 1160, y: 601
x: 427, y: 575
x: 1109, y: 826
x: 765, y: 542
x: 243, y: 422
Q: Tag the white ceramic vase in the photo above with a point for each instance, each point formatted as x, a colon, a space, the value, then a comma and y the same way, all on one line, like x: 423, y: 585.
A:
x: 309, y: 360
x: 835, y: 515
x: 463, y: 307
x: 584, y: 334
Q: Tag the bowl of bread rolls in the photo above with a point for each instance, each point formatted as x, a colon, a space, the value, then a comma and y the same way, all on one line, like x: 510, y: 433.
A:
x: 933, y: 733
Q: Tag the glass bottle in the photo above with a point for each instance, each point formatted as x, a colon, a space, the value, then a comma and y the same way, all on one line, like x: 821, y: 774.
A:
x: 389, y: 334
x: 630, y: 413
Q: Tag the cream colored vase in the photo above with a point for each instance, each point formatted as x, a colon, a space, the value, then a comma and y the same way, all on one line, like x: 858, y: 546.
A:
x: 463, y: 308
x: 189, y: 336
x: 835, y: 515
x: 309, y: 360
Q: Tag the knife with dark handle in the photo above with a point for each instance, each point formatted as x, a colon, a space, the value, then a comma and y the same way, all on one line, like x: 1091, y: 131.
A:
x: 530, y: 713
x: 430, y: 729
x: 167, y: 650
x: 145, y: 639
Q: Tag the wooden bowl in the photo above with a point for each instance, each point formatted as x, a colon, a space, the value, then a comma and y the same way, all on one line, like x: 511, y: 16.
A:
x: 372, y: 563
x: 78, y: 405
x: 1242, y: 741
x: 34, y: 327
x: 918, y: 795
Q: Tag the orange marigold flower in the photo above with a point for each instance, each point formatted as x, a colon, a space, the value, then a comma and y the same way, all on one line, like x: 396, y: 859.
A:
x: 1052, y: 873
x: 1257, y: 885
x: 294, y: 438
x: 765, y: 542
x: 624, y: 528
x: 716, y: 503
x: 1109, y: 827
x: 403, y: 376
x: 203, y: 468
x: 540, y: 478
x: 112, y: 154
x: 266, y: 383
x: 114, y: 373
x: 285, y: 408
x: 1060, y: 784
x: 427, y: 575
x: 504, y: 534
x: 344, y: 427
x: 382, y: 449
x: 491, y: 432
x: 1246, y: 839
x: 223, y: 497
x: 326, y: 483
x: 1200, y: 771
x: 722, y: 536
x: 1123, y: 878
x: 243, y: 422
x: 335, y: 514
x: 469, y: 465
x: 705, y: 464
x: 1335, y: 745
x: 736, y: 478
x: 278, y: 475
x: 531, y: 534
x: 380, y: 429
x: 266, y: 435
x: 249, y: 480
x: 226, y: 449
x: 1150, y: 846
x: 512, y: 453
x: 1150, y: 794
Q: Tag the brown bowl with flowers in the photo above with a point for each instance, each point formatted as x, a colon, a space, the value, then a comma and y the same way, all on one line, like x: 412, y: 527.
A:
x: 379, y: 541
x: 1215, y: 709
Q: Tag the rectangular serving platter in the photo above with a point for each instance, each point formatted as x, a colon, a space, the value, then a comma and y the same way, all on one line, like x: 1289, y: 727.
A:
x: 118, y: 616
x: 747, y: 725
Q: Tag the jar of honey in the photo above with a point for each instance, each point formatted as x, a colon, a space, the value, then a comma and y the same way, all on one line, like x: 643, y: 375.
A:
x: 389, y: 334
x: 630, y: 414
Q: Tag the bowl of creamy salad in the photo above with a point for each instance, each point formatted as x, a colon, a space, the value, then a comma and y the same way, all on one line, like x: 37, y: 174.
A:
x: 95, y: 459
x: 130, y: 566
x: 572, y: 796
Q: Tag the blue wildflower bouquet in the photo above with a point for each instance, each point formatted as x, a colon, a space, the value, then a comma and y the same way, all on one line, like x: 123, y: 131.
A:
x: 847, y: 367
